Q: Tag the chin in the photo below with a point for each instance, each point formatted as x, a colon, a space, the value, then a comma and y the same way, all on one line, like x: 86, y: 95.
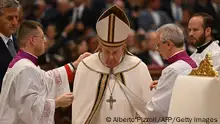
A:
x: 41, y: 53
x: 112, y: 66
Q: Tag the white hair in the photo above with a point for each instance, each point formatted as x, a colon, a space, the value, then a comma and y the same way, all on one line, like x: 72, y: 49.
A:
x: 172, y: 33
x: 8, y: 4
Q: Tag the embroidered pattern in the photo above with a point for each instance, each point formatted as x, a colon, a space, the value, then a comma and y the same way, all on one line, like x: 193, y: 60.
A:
x: 57, y: 77
x: 46, y: 112
x: 47, y: 109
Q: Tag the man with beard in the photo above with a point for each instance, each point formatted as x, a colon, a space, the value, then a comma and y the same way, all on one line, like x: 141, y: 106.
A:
x: 200, y: 34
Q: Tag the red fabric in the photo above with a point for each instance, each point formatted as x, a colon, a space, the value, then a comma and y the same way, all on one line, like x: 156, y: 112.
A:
x: 70, y: 74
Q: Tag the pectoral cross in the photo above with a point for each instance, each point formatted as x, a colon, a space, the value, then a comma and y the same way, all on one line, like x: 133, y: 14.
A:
x: 111, y: 101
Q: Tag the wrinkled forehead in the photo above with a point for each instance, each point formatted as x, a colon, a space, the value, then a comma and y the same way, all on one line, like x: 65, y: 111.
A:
x: 11, y: 11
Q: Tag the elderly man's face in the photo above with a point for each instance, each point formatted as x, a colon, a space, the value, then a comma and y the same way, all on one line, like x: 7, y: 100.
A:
x: 9, y: 21
x: 111, y: 56
x: 161, y: 47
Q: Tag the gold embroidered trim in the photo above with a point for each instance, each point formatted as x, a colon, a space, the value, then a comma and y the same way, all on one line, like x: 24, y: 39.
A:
x: 100, y: 93
x: 111, y: 44
x: 131, y: 67
x: 120, y: 77
x: 93, y: 69
x: 109, y: 69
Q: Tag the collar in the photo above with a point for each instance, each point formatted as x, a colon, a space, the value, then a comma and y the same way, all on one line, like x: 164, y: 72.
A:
x: 23, y: 54
x: 128, y: 62
x: 5, y: 39
x: 176, y: 56
x: 203, y: 47
x: 182, y: 55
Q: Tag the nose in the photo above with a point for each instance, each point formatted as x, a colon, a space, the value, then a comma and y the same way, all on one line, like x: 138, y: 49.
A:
x: 15, y: 21
x: 191, y: 33
x: 110, y: 56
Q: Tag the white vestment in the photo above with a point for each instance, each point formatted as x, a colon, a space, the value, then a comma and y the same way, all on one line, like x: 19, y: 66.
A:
x: 195, y: 100
x: 159, y: 104
x: 28, y: 93
x: 94, y: 83
x: 214, y: 49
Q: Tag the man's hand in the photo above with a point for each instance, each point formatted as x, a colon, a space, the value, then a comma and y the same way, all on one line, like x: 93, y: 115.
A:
x: 64, y: 100
x: 81, y: 57
x: 153, y: 85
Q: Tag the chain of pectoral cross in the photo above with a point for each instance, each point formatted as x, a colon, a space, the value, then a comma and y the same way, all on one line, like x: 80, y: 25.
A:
x: 111, y: 100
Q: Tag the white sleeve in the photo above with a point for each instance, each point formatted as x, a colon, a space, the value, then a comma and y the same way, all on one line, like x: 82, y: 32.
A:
x: 158, y: 106
x: 145, y: 75
x: 60, y: 79
x: 59, y: 74
x: 30, y: 98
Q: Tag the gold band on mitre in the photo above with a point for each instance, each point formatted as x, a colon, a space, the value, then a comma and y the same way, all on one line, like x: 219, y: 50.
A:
x: 113, y: 27
x: 111, y: 44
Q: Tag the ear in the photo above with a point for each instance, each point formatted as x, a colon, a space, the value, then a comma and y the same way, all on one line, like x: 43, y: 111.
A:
x: 98, y: 48
x: 31, y: 41
x: 124, y: 46
x: 170, y: 44
x: 208, y: 31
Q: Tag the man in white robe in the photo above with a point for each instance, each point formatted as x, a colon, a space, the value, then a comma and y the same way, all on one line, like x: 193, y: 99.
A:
x: 200, y: 34
x: 111, y: 85
x: 169, y: 43
x: 30, y: 95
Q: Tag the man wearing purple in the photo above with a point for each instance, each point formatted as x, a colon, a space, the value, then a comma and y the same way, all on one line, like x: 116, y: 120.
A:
x: 169, y: 44
x: 30, y: 95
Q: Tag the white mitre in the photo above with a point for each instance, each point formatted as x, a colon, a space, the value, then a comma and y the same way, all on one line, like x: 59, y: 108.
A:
x: 113, y: 27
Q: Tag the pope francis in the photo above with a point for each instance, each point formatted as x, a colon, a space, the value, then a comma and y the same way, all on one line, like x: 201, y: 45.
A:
x: 111, y: 86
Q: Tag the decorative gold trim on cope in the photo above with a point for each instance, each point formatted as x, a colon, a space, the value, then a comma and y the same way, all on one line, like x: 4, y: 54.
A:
x: 205, y: 68
x: 126, y: 70
x: 99, y: 97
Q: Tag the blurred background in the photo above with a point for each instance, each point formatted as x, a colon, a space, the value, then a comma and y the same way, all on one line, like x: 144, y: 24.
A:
x: 70, y: 29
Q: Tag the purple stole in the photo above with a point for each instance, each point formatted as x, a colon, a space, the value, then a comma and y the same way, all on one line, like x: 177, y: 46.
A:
x: 182, y: 56
x: 22, y: 54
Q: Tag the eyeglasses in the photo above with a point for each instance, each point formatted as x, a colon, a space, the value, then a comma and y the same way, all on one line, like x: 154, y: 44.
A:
x: 157, y: 45
x: 44, y: 37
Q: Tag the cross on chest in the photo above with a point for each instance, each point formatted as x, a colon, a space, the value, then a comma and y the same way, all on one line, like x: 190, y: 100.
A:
x: 111, y: 101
